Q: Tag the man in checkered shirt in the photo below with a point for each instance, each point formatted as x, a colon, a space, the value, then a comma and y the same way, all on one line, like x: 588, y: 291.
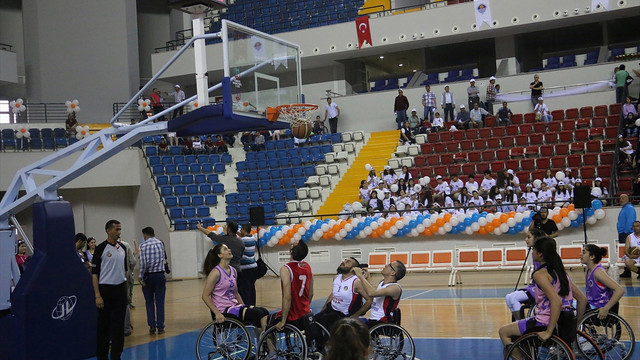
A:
x: 152, y: 258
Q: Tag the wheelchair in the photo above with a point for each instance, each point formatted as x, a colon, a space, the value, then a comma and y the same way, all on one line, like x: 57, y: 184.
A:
x: 530, y: 347
x: 290, y: 343
x: 613, y: 335
x: 390, y: 341
x: 229, y: 340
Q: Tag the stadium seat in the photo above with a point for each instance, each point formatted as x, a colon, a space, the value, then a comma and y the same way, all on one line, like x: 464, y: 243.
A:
x: 426, y: 148
x: 572, y: 113
x: 587, y: 172
x: 482, y: 167
x: 604, y: 171
x: 600, y: 110
x: 516, y: 119
x: 569, y: 125
x: 507, y: 141
x: 543, y: 163
x: 546, y: 150
x: 497, y: 166
x: 480, y: 144
x: 472, y: 134
x: 581, y: 134
x: 577, y: 147
x: 586, y: 112
x: 538, y: 174
x: 517, y: 152
x: 558, y: 162
x: 192, y: 189
x: 474, y: 156
x: 606, y: 158
x: 599, y: 122
x: 466, y: 145
x: 574, y: 161
x: 566, y: 136
x: 468, y: 168
x: 562, y: 149
x: 498, y: 131
x: 551, y: 137
x: 527, y: 164
x: 535, y: 139
x: 529, y: 118
x: 526, y: 129
x: 502, y: 154
x: 539, y: 127
x: 524, y: 177
x: 488, y: 155
x: 522, y: 140
x: 557, y: 114
x: 493, y: 143
x: 554, y: 126
x: 459, y: 135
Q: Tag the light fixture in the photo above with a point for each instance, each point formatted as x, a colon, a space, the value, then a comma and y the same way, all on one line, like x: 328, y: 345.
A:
x: 414, y: 70
x: 400, y: 64
x: 381, y: 57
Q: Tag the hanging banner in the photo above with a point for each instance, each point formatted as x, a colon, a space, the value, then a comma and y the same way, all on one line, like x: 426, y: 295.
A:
x: 364, y: 32
x: 483, y: 13
x: 569, y: 90
x: 595, y: 3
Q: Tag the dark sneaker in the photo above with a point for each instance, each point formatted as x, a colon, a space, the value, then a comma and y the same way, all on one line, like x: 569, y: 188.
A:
x: 152, y: 330
x: 160, y: 331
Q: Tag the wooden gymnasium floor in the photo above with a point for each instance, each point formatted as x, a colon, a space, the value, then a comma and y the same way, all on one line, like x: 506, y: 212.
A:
x: 445, y: 322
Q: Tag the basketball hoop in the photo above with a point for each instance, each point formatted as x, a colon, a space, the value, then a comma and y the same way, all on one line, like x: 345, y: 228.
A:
x: 297, y: 115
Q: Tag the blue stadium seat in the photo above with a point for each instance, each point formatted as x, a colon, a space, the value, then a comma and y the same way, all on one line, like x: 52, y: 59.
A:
x: 151, y: 150
x: 309, y: 170
x: 265, y: 185
x: 243, y: 198
x: 270, y: 145
x: 148, y: 140
x: 171, y: 201
x: 275, y: 174
x: 297, y: 172
x: 162, y: 180
x: 155, y: 160
x: 241, y: 165
x: 190, y: 159
x: 231, y: 198
x: 278, y: 195
x: 184, y: 200
x: 207, y: 168
x: 276, y: 184
x: 253, y: 186
x: 254, y: 197
x: 170, y: 169
x: 35, y: 144
x: 208, y: 221
x: 175, y: 150
x: 180, y: 224
x: 183, y: 169
x: 300, y: 182
x: 192, y: 189
x: 157, y: 170
x: 193, y: 223
x: 200, y: 178
x: 251, y: 156
x: 175, y: 179
x: 336, y: 138
x: 175, y: 213
x: 179, y: 190
x: 218, y: 188
x: 48, y: 143
x: 189, y: 212
x: 226, y: 158
x: 260, y: 156
x: 203, y: 211
x: 242, y: 175
x: 281, y: 206
x: 290, y: 194
x: 166, y: 190
x: 211, y: 200
x: 243, y: 186
x: 205, y: 188
x: 272, y: 163
x: 265, y: 196
x: 212, y: 178
x: 287, y: 173
x: 178, y: 159
x: 232, y: 210
x: 195, y: 168
x: 187, y: 179
x: 203, y: 159
x: 197, y: 200
x: 166, y: 160
x: 219, y: 168
x: 214, y: 158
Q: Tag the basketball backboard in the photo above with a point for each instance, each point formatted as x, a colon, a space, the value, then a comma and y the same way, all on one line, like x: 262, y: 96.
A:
x: 264, y: 70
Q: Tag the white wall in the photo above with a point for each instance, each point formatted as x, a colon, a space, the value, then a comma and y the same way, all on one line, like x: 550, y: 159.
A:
x: 11, y: 34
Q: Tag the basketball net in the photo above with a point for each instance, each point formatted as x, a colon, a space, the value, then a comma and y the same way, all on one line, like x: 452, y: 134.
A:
x: 294, y: 114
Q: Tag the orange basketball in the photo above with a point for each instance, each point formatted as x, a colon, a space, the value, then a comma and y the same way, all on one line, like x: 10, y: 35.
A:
x: 301, y: 129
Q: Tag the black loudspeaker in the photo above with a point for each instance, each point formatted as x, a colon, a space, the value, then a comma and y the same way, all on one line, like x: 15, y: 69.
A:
x: 582, y: 197
x: 256, y: 215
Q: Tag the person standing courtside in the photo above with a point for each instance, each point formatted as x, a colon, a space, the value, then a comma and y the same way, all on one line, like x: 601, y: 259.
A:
x: 332, y: 111
x: 626, y: 218
x: 247, y: 278
x: 448, y: 103
x: 231, y: 239
x: 536, y: 89
x: 152, y: 279
x: 110, y: 287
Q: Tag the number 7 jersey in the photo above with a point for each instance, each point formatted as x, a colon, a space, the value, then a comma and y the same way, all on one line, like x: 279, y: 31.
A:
x: 300, y: 281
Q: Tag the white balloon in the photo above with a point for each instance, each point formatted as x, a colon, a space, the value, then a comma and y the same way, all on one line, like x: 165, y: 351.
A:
x: 407, y: 219
x: 566, y: 222
x: 67, y: 103
x: 318, y: 233
x: 497, y: 231
x: 400, y: 206
x: 18, y: 135
x: 297, y: 237
x: 469, y: 230
x: 504, y: 227
x: 426, y: 222
x: 279, y: 234
x: 374, y: 225
x: 348, y: 227
x: 79, y: 136
x: 475, y: 227
x: 596, y: 191
x: 518, y: 217
x: 482, y: 221
x: 427, y: 180
x: 420, y: 228
x: 380, y: 194
x: 301, y: 230
x: 454, y: 221
x: 560, y: 175
x: 556, y: 209
x: 387, y: 234
x: 421, y: 181
x: 417, y: 188
x: 393, y: 230
x: 357, y: 206
x: 332, y: 223
x: 591, y: 220
x: 461, y: 217
x: 399, y: 225
x: 381, y: 221
x: 219, y: 230
x: 324, y: 227
x: 599, y: 214
x: 537, y: 183
x: 307, y: 225
x: 394, y: 188
x: 638, y: 122
x: 262, y: 232
x: 343, y: 232
x: 447, y: 227
x: 442, y: 231
x: 285, y: 228
x: 368, y: 167
x: 560, y: 226
x: 573, y: 215
x: 527, y: 213
x: 337, y: 237
x: 367, y: 230
x: 271, y: 243
x: 414, y: 232
x: 490, y: 217
x: 511, y: 222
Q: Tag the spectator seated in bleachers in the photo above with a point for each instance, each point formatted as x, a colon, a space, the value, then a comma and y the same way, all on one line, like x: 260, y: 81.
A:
x: 247, y: 138
x: 488, y: 182
x: 436, y: 126
x: 363, y: 191
x: 522, y: 204
x: 187, y: 146
x: 275, y: 134
x: 221, y: 145
x: 604, y: 193
x: 414, y: 122
x: 502, y: 206
x: 542, y: 111
x: 209, y: 145
x: 569, y: 179
x: 462, y: 117
x: 628, y: 108
x: 70, y: 124
x: 258, y: 142
x: 406, y: 135
x: 504, y: 115
x: 406, y: 175
x: 197, y: 146
x: 550, y: 180
x: 563, y: 196
x: 372, y: 179
x: 163, y: 147
x: 318, y: 126
x: 389, y: 176
x: 476, y: 117
x: 630, y: 128
x: 625, y: 152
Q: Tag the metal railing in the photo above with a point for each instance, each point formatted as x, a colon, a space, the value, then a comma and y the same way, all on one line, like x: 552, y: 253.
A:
x: 6, y: 47
x: 41, y: 113
x: 133, y: 113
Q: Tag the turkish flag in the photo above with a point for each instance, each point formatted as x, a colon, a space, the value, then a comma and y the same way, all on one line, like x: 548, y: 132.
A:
x: 364, y: 32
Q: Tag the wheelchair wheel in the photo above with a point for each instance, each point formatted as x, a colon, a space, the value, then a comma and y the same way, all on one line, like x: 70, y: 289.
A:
x: 318, y: 345
x: 288, y: 344
x: 530, y: 347
x: 391, y: 342
x: 228, y: 340
x: 613, y: 335
x: 586, y: 347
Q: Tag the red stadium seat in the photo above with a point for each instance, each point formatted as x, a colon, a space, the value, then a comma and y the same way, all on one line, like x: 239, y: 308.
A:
x: 493, y: 143
x: 497, y: 166
x: 426, y: 148
x: 517, y: 152
x: 538, y: 174
x: 466, y: 145
x: 590, y: 159
x: 490, y: 121
x: 506, y: 141
x: 606, y: 158
x: 529, y: 118
x: 614, y: 109
x: 484, y: 132
x: 558, y: 162
x: 554, y: 126
x: 513, y: 164
x: 625, y: 184
x: 599, y: 121
x: 445, y: 136
x: 571, y: 113
x: 551, y: 137
x: 613, y: 120
x: 524, y: 177
x: 532, y: 151
x: 581, y: 134
x: 516, y: 119
x: 569, y: 124
x: 433, y: 160
x: 583, y: 123
x: 481, y: 167
x: 452, y: 146
x: 526, y: 129
x: 468, y: 169
x: 425, y: 171
x: 558, y: 114
x: 474, y: 156
x: 446, y: 159
x: 454, y: 169
x: 512, y: 130
x: 604, y: 171
x: 440, y: 170
x: 608, y: 144
x: 562, y: 149
x: 611, y: 132
x: 459, y: 135
x: 587, y: 172
x: 460, y: 157
x: 546, y: 150
x: 502, y: 154
x: 566, y: 136
x: 472, y: 134
x: 586, y: 111
x: 574, y: 161
x: 600, y: 110
x: 433, y: 137
x: 522, y: 140
x: 488, y: 155
x: 543, y: 163
x: 479, y: 144
x: 539, y: 127
x: 414, y: 172
x: 577, y: 147
x: 527, y: 164
x: 420, y: 160
x: 593, y: 146
x: 535, y: 139
x: 438, y: 148
x: 498, y: 131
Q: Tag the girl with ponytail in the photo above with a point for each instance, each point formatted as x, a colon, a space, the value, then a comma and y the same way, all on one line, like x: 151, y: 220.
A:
x: 603, y: 293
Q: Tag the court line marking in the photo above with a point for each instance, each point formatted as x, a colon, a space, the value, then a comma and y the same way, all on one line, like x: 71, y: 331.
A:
x: 418, y: 294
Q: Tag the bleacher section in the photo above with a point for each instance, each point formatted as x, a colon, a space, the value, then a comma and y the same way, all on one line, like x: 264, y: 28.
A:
x: 39, y: 139
x: 582, y: 139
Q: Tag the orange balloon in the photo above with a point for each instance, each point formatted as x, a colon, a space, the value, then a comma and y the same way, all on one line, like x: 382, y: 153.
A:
x: 427, y: 232
x: 433, y: 228
x: 211, y: 228
x: 374, y: 234
x: 557, y: 218
x: 504, y: 218
x: 283, y: 241
x: 482, y: 231
x: 564, y: 212
x: 386, y: 225
x: 447, y: 217
x: 489, y: 228
x: 512, y: 213
x: 496, y: 222
x: 440, y: 222
x: 326, y: 235
x: 571, y: 207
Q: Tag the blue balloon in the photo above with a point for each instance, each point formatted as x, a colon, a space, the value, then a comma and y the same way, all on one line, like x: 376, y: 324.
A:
x: 596, y: 204
x: 519, y: 226
x: 413, y: 223
x: 512, y: 230
x: 475, y: 217
x: 263, y: 242
x: 468, y: 222
x: 427, y: 216
x: 484, y: 214
x: 575, y: 223
x: 580, y: 218
x: 361, y: 226
x: 589, y: 212
x: 420, y: 218
x: 526, y: 221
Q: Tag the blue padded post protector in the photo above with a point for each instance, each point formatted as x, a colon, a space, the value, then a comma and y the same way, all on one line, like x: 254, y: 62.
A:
x: 54, y: 302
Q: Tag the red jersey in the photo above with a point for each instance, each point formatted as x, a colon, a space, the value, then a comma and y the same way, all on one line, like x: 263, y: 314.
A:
x: 300, y: 282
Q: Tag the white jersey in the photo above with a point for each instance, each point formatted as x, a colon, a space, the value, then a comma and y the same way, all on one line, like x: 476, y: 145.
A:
x: 383, y: 307
x: 344, y: 294
x: 634, y: 241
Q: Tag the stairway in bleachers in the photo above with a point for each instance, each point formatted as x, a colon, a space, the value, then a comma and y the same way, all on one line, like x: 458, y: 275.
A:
x: 380, y: 147
x: 581, y: 139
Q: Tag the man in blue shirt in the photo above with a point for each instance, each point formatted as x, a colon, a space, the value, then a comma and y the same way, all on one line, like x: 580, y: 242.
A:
x: 625, y: 224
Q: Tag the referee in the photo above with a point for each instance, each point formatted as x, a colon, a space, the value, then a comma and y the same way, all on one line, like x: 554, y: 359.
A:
x: 110, y: 286
x: 154, y: 283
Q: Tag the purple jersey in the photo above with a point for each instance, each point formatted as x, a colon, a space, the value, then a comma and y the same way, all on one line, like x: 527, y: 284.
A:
x: 223, y: 295
x: 598, y: 295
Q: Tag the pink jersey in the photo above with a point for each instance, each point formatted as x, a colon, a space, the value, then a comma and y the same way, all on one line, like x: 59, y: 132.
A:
x: 223, y: 295
x: 544, y: 305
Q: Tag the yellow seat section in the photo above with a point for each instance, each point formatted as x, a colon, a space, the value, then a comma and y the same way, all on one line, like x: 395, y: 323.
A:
x: 374, y: 6
x: 376, y: 152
